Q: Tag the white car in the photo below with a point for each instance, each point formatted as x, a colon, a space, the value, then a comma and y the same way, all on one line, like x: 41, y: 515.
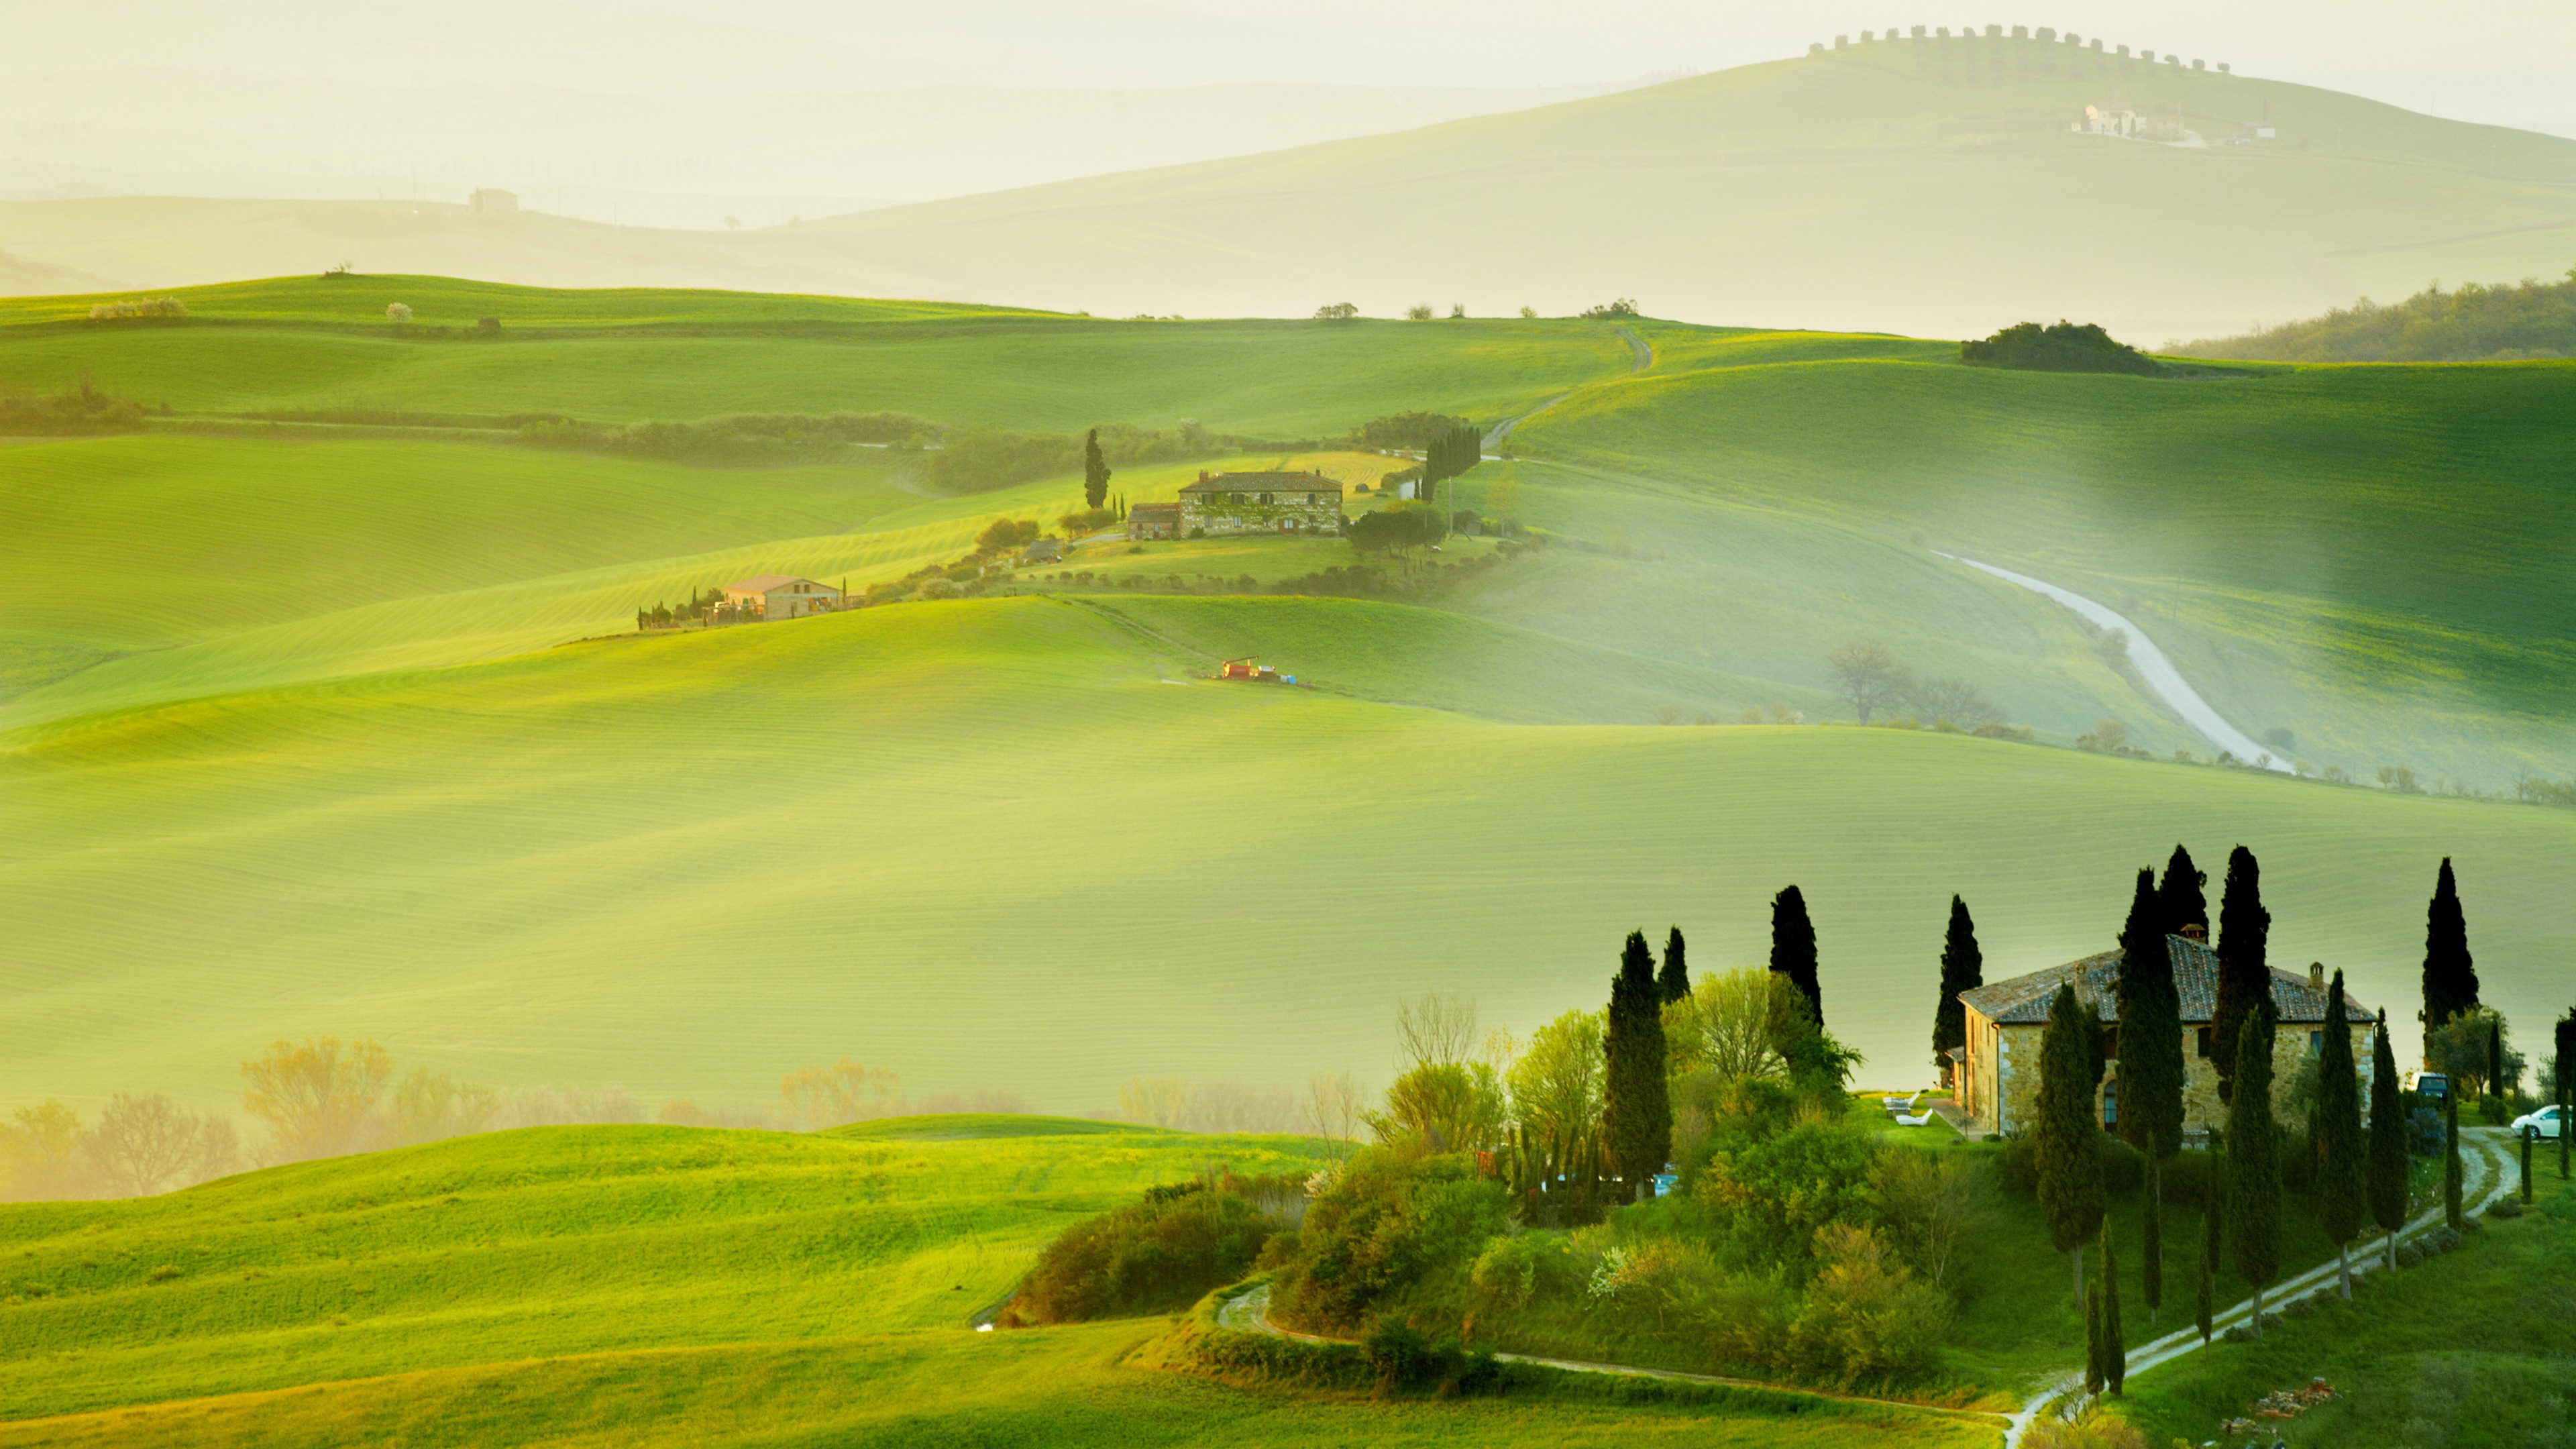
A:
x: 2544, y: 1123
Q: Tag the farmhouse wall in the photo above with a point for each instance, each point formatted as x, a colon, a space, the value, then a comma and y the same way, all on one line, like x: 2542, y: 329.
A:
x: 2014, y: 1076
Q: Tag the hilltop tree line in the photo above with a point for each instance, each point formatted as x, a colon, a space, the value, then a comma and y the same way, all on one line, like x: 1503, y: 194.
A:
x: 2065, y: 347
x: 2501, y: 323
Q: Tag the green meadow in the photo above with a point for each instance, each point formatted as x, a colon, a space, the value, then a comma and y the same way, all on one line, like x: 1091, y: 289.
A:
x: 661, y: 1285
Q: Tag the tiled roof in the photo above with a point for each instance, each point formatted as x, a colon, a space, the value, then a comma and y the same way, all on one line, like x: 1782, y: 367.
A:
x: 767, y: 583
x: 1264, y: 482
x: 1153, y: 508
x: 2024, y: 1000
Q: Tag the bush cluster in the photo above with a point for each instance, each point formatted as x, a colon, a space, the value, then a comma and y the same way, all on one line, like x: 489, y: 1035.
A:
x: 2066, y: 347
x: 1164, y: 1252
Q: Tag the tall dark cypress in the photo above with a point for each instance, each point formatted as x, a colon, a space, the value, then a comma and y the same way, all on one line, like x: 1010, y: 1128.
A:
x: 1095, y: 471
x: 2115, y: 1344
x: 1963, y: 968
x: 2066, y: 1138
x: 2495, y: 1057
x: 2212, y: 1214
x: 2244, y: 973
x: 1636, y: 1113
x: 2151, y: 1066
x: 2564, y: 1085
x: 2386, y: 1184
x: 2450, y: 978
x: 2253, y: 1172
x: 2180, y: 895
x: 2339, y: 1195
x: 1793, y: 949
x: 1673, y: 982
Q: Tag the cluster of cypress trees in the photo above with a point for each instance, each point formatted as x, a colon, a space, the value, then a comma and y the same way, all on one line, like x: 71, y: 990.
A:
x: 1449, y: 453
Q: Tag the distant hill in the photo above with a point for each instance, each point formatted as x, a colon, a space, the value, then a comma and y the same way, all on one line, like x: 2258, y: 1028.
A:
x: 1935, y: 190
x: 2504, y: 323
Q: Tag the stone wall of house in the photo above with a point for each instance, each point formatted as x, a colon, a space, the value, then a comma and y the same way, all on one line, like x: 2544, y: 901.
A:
x: 2016, y: 1075
x: 1283, y: 512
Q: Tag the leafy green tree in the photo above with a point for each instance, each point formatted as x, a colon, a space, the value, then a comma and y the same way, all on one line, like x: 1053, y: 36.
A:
x: 1637, y: 1110
x: 2180, y: 894
x: 1963, y: 968
x: 1442, y: 1107
x: 1793, y: 949
x: 2450, y: 977
x: 2385, y: 1186
x: 2475, y: 1050
x: 1095, y: 471
x: 2244, y: 974
x: 2115, y: 1345
x: 1673, y: 982
x: 1556, y: 1083
x: 2066, y: 347
x: 2253, y: 1170
x: 2151, y: 1067
x: 2339, y: 1193
x: 2067, y: 1138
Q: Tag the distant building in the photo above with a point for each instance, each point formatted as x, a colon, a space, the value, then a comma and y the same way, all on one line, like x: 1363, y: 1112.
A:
x: 1154, y: 520
x: 1997, y: 1072
x: 781, y: 596
x: 491, y: 201
x: 1260, y: 503
x: 2111, y: 121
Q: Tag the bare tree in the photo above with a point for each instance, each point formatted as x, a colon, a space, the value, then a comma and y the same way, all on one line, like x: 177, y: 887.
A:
x: 1867, y: 674
x: 143, y: 1144
x: 1153, y: 1101
x: 842, y: 1092
x: 1955, y: 700
x: 1434, y: 1030
x: 318, y: 1097
x: 1333, y: 1105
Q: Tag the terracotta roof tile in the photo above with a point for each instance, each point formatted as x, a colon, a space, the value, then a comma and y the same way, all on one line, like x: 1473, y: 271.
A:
x: 2024, y: 1000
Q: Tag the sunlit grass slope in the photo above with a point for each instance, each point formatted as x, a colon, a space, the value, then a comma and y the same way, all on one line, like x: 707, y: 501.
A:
x: 552, y: 1241
x: 618, y: 356
x: 1012, y: 845
x: 2377, y: 558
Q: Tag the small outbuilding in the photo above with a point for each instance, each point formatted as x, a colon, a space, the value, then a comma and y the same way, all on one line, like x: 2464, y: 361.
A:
x: 781, y: 596
x: 1154, y: 520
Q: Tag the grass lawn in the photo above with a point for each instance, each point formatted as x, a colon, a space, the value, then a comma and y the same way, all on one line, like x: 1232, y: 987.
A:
x: 660, y: 1285
x: 2472, y: 1349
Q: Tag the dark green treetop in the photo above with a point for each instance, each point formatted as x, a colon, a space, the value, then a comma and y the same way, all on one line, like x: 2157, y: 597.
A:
x: 2339, y: 1193
x: 1963, y: 968
x: 2244, y: 972
x: 1636, y: 1111
x: 1793, y: 949
x: 1673, y: 982
x: 2150, y: 1018
x: 2386, y: 1182
x: 1095, y: 471
x: 2066, y: 1136
x: 2450, y: 977
x: 2184, y: 904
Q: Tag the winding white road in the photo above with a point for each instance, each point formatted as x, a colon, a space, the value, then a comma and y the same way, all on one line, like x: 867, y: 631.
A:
x: 2153, y: 666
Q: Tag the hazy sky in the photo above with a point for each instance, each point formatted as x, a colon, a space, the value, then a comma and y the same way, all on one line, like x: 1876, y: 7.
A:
x: 2501, y: 60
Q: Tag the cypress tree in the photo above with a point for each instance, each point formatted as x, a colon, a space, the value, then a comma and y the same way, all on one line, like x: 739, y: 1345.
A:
x: 2339, y: 1196
x: 2244, y: 975
x: 2450, y: 978
x: 2451, y: 1156
x: 2067, y: 1138
x: 2151, y: 1068
x: 1673, y: 982
x: 2180, y: 895
x: 1636, y: 1113
x: 2093, y: 1338
x: 1095, y: 471
x: 2565, y: 1084
x: 2115, y: 1347
x: 2212, y: 1213
x: 2253, y: 1171
x: 1963, y: 968
x: 2386, y: 1183
x: 2495, y: 1057
x: 1793, y: 949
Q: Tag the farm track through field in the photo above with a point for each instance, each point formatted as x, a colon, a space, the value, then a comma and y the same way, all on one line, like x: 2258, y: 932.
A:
x: 2491, y: 1172
x: 1645, y: 358
x: 1250, y: 1312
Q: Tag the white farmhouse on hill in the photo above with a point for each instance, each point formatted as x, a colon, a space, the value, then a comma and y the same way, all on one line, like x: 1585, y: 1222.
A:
x: 781, y: 596
x: 2112, y: 121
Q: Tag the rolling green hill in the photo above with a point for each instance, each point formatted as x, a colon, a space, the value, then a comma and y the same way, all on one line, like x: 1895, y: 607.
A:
x: 688, y: 864
x: 658, y: 1285
x: 1766, y: 193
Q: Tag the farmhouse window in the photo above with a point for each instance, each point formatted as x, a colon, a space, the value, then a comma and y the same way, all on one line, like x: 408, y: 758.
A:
x: 2201, y: 1040
x: 2111, y: 1102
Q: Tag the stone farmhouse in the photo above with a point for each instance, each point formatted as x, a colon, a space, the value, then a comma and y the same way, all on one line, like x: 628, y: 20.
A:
x: 1154, y: 520
x: 780, y: 596
x: 1222, y: 503
x: 1997, y: 1073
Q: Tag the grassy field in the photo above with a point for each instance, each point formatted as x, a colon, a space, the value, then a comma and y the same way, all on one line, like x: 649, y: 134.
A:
x: 589, y: 1285
x: 2469, y: 1351
x: 691, y: 863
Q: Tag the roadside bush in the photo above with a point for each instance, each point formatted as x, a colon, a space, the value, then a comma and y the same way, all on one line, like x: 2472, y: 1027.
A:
x: 1865, y: 1317
x: 2092, y: 1431
x: 1391, y: 1223
x: 80, y: 408
x: 2017, y: 1167
x: 1779, y: 1190
x: 1179, y: 1243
